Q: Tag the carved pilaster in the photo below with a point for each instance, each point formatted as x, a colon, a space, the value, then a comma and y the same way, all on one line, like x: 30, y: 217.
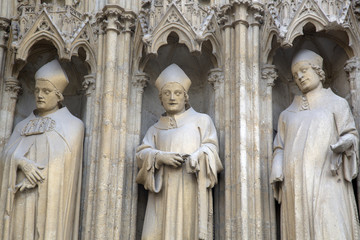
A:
x: 268, y: 75
x: 216, y: 78
x: 13, y: 87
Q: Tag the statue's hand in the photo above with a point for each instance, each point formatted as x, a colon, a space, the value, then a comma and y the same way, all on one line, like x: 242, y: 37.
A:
x: 25, y: 184
x: 276, y: 174
x: 170, y: 159
x: 31, y: 171
x: 342, y: 145
x: 194, y: 159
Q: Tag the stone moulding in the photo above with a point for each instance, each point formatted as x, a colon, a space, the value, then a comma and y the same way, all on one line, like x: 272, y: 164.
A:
x: 286, y: 19
x: 31, y: 27
x: 192, y: 29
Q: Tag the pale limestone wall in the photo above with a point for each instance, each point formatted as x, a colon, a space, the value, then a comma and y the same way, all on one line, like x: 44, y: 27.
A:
x: 237, y: 53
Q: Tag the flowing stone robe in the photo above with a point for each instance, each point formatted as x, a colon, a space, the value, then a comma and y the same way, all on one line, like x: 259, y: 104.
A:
x: 50, y: 210
x: 314, y: 203
x: 180, y: 203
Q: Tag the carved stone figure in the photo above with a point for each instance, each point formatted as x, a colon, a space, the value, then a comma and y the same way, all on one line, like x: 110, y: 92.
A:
x: 41, y: 167
x: 179, y: 162
x: 315, y: 159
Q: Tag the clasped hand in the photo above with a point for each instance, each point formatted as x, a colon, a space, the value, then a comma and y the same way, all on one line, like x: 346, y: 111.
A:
x: 32, y: 173
x: 176, y: 159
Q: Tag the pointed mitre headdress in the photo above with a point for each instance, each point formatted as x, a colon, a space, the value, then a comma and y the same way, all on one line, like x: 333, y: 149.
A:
x: 309, y: 56
x: 53, y: 72
x: 173, y: 73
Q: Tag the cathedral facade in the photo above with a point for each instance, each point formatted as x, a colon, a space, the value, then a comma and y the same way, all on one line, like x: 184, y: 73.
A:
x: 237, y: 54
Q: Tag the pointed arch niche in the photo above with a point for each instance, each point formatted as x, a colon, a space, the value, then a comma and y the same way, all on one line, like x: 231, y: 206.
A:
x: 201, y: 94
x: 195, y: 65
x: 39, y: 54
x: 335, y: 48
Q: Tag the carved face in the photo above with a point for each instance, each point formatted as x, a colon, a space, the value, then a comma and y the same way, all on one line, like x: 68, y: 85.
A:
x: 173, y: 98
x: 305, y: 76
x: 46, y: 98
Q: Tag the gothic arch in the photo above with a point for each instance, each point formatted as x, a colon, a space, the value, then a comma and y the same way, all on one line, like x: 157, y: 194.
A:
x: 23, y: 49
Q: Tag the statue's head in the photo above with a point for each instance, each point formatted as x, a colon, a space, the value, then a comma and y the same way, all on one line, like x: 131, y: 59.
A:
x: 173, y: 85
x: 50, y: 82
x: 307, y: 70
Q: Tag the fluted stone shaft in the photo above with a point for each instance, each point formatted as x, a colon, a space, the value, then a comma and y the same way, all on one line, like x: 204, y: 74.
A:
x: 103, y: 178
x: 268, y: 76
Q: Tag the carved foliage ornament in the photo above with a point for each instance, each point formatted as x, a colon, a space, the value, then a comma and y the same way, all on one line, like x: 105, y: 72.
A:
x: 216, y: 77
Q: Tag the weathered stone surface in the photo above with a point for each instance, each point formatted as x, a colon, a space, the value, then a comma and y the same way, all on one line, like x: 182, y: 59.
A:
x: 237, y: 54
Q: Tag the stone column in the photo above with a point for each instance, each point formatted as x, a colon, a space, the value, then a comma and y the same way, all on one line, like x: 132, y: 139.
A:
x: 7, y: 110
x: 352, y: 68
x: 103, y: 228
x: 216, y: 79
x: 257, y: 161
x: 268, y: 75
x: 88, y: 87
x: 90, y: 181
x: 139, y: 82
x: 240, y: 158
x: 227, y: 223
x: 124, y: 180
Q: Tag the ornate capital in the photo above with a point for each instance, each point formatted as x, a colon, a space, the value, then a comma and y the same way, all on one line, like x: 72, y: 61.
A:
x: 4, y: 31
x: 112, y: 14
x: 88, y: 85
x: 13, y: 87
x: 4, y: 24
x: 259, y: 12
x: 223, y: 14
x: 269, y: 74
x: 216, y: 77
x: 240, y: 2
x: 128, y: 22
x: 259, y: 19
x: 356, y: 8
x: 352, y: 67
x: 140, y: 81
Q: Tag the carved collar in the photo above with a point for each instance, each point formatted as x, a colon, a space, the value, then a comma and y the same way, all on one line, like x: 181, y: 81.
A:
x: 309, y: 101
x: 39, y: 125
x: 166, y: 122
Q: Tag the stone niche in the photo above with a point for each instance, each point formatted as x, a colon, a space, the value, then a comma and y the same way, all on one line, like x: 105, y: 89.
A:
x: 329, y: 46
x: 41, y: 53
x: 333, y: 46
x: 201, y: 94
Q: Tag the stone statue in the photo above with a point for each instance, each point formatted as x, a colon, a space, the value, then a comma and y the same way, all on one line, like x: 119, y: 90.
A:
x: 179, y: 162
x: 41, y: 167
x: 315, y: 159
